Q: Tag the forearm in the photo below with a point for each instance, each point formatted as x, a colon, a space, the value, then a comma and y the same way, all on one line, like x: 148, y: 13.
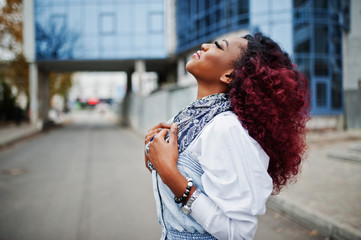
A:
x: 176, y: 182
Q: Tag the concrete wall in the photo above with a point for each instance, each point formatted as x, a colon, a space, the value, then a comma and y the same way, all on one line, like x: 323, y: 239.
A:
x: 146, y: 112
x: 324, y: 123
x: 351, y: 68
x: 352, y: 49
x: 353, y: 108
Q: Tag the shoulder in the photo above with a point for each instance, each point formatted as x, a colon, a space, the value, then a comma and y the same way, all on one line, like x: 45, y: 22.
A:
x: 225, y: 134
x: 234, y: 164
x: 225, y: 120
x: 224, y: 125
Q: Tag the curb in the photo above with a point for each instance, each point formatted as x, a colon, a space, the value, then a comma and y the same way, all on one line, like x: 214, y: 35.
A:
x: 312, y: 220
x: 31, y: 133
x: 18, y: 138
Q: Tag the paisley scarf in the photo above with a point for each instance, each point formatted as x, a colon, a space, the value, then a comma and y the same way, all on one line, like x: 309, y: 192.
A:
x: 191, y: 119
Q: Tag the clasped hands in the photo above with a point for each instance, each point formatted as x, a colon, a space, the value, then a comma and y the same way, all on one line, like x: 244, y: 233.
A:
x: 162, y: 154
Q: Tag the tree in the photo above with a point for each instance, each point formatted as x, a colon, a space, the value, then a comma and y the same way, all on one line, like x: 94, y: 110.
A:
x: 11, y: 26
x: 52, y: 42
x: 60, y: 83
x: 11, y: 42
x: 18, y: 74
x: 7, y: 101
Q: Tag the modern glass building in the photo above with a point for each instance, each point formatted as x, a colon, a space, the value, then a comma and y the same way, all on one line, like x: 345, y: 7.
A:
x: 122, y: 31
x: 99, y: 29
x: 318, y: 27
x: 311, y: 31
x: 202, y: 20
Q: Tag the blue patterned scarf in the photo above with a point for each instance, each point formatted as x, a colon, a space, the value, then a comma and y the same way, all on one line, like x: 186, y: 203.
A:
x: 194, y: 117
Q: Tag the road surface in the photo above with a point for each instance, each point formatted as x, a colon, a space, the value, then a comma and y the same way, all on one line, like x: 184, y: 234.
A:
x: 87, y: 180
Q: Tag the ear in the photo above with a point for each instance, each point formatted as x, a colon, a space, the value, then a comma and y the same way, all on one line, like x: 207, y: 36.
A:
x: 226, y: 78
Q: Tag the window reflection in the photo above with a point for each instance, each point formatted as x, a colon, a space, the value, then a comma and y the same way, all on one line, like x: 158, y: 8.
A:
x: 321, y: 38
x: 318, y: 49
x: 202, y: 20
x: 321, y: 66
x: 321, y: 94
x: 99, y: 29
x: 336, y: 91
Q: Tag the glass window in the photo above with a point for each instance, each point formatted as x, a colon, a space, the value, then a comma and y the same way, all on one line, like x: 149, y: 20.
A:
x: 90, y: 23
x: 321, y: 39
x: 139, y: 17
x: 336, y: 36
x: 321, y: 66
x: 304, y: 66
x: 299, y: 3
x: 303, y: 47
x: 58, y: 22
x: 107, y: 23
x: 335, y: 4
x: 156, y: 22
x: 302, y: 38
x: 243, y: 8
x: 321, y: 94
x: 93, y: 29
x: 321, y: 4
x: 336, y: 91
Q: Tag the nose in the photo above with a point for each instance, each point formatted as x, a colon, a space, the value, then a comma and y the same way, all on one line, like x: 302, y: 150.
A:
x: 205, y: 47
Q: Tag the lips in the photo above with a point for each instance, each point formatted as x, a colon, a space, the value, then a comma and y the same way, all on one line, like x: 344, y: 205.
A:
x: 197, y: 54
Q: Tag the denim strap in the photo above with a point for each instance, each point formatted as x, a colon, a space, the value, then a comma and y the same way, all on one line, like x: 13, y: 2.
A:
x: 188, y: 236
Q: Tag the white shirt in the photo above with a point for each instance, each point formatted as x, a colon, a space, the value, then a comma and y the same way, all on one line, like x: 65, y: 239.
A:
x: 235, y: 179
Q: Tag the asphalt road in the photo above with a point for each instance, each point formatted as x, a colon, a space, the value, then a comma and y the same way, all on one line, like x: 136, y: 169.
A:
x: 87, y: 180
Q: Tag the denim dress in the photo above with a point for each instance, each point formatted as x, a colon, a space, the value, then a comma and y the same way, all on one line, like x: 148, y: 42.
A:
x: 175, y: 224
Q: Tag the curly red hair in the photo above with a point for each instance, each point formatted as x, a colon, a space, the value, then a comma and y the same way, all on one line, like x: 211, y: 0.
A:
x: 271, y: 99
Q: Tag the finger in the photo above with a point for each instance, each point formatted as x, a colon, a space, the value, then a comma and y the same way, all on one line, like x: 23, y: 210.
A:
x: 160, y: 125
x: 152, y: 134
x: 146, y: 162
x: 161, y: 135
x: 173, y: 135
x: 146, y: 141
x: 155, y: 131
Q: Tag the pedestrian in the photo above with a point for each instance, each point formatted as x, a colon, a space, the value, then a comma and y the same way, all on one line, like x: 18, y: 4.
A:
x: 215, y: 164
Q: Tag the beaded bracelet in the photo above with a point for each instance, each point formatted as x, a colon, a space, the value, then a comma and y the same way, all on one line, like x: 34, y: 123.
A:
x: 186, y: 192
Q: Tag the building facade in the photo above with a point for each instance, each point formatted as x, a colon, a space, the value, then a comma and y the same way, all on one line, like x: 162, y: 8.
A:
x: 98, y: 29
x: 311, y: 31
x: 161, y: 35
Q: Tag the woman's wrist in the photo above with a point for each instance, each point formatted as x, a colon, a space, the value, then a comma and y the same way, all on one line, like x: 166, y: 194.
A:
x: 176, y: 182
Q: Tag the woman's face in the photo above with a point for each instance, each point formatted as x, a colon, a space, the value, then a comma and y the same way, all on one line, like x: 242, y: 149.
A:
x: 216, y: 59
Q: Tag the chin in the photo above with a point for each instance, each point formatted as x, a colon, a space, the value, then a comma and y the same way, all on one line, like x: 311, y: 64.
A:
x: 189, y: 67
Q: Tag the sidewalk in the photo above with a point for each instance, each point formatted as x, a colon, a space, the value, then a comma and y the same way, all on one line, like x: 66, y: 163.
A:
x: 326, y: 197
x: 10, y: 134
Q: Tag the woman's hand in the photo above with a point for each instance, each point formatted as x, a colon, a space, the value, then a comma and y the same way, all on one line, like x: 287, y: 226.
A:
x: 164, y: 155
x: 151, y: 133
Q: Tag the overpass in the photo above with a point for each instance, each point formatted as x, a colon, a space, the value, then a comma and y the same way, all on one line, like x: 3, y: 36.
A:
x: 95, y: 36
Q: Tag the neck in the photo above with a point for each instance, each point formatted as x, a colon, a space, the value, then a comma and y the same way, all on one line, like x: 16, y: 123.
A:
x: 205, y: 89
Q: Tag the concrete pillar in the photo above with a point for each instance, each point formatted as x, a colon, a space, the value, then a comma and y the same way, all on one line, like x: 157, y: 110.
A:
x: 33, y: 87
x: 125, y: 118
x: 29, y: 53
x: 140, y: 69
x: 44, y: 96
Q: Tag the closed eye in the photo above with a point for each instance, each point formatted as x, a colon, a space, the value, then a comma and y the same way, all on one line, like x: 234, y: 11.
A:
x: 218, y: 46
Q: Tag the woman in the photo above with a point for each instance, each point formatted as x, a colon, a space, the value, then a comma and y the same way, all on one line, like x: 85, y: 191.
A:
x: 216, y: 162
